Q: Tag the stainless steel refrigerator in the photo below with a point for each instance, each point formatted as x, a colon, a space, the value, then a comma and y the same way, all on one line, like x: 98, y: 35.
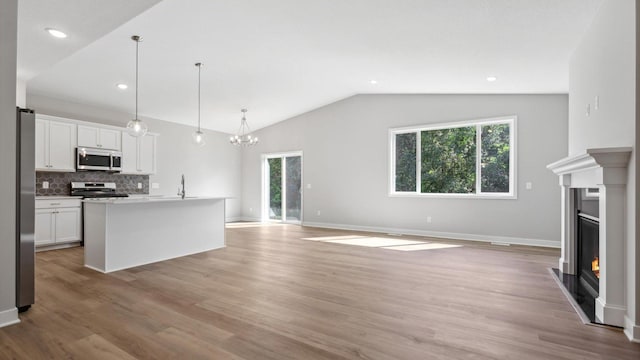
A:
x: 25, y: 209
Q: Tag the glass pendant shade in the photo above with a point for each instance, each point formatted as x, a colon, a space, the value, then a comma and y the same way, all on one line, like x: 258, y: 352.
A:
x: 198, y: 138
x: 243, y: 137
x: 137, y: 127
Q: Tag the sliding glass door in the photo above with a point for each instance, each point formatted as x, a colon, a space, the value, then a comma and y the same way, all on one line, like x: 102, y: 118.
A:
x: 282, y: 188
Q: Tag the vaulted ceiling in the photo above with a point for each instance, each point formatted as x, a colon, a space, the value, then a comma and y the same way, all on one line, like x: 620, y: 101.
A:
x: 280, y: 58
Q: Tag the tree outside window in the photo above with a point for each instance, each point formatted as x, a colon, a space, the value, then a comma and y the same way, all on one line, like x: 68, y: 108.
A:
x: 470, y: 158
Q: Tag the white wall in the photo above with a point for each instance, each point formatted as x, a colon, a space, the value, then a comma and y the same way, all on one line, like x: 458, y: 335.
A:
x: 604, y: 65
x: 345, y: 147
x: 8, y: 44
x: 21, y: 93
x: 213, y: 170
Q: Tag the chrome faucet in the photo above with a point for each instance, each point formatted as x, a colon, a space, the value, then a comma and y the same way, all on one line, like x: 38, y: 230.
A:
x: 181, y: 191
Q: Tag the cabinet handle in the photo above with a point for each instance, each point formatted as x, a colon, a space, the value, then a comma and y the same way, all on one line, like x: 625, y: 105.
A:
x: 52, y: 204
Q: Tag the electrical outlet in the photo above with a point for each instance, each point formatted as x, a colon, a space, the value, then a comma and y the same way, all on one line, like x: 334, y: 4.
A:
x: 588, y: 111
x: 155, y: 186
x: 596, y: 103
x: 428, y: 219
x: 139, y: 185
x: 250, y: 210
x: 318, y: 212
x: 45, y: 184
x: 308, y: 186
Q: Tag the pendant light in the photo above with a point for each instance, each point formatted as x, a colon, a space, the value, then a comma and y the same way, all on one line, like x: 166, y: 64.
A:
x: 136, y: 127
x: 198, y: 136
x: 243, y: 137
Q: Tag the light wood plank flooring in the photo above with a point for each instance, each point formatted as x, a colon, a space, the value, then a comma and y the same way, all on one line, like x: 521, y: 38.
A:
x: 270, y: 295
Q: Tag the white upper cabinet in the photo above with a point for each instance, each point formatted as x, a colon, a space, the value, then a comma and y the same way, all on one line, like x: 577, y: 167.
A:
x: 95, y: 137
x: 57, y: 139
x: 129, y: 154
x: 55, y: 146
x: 110, y: 139
x: 138, y: 154
x: 42, y: 144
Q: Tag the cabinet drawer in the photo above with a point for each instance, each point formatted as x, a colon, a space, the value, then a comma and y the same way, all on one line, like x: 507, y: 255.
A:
x: 57, y: 203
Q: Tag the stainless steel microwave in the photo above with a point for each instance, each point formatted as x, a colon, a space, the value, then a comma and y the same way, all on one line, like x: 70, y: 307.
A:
x: 90, y: 159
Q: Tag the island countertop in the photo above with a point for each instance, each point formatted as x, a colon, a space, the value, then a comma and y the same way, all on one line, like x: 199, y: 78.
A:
x: 148, y: 199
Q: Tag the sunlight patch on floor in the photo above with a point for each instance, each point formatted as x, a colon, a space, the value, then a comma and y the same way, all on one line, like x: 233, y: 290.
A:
x: 374, y: 242
x: 383, y: 243
x: 331, y: 238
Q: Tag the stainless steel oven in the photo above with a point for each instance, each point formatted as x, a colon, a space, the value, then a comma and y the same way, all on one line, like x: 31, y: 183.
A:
x: 98, y: 160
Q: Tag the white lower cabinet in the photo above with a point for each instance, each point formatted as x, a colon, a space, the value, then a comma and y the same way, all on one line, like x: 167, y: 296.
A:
x: 44, y: 227
x: 57, y: 221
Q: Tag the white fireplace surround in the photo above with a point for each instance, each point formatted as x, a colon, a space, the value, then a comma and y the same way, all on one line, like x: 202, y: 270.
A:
x: 605, y: 169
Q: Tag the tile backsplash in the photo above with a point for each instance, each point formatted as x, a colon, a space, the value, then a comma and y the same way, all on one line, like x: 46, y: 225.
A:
x: 60, y: 182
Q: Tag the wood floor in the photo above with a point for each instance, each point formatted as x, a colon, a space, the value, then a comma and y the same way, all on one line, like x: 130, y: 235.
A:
x: 271, y: 295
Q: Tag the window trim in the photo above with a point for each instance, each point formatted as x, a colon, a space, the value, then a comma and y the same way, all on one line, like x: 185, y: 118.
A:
x: 513, y: 136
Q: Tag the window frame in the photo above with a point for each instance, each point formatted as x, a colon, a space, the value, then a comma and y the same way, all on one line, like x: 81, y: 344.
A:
x: 512, y: 120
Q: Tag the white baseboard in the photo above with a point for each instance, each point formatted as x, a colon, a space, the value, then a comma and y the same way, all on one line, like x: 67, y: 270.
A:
x: 9, y: 317
x: 245, y: 218
x: 632, y: 330
x: 233, y: 219
x: 438, y: 234
x: 58, y: 246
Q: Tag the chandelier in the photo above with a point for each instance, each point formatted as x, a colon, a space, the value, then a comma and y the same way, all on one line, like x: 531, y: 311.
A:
x: 243, y: 136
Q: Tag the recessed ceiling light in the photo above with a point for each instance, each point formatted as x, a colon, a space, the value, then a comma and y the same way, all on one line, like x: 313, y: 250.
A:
x: 491, y: 78
x: 373, y: 82
x: 56, y: 33
x: 122, y: 86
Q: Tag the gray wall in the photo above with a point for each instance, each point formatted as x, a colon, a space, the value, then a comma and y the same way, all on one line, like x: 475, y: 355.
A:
x: 346, y: 158
x: 604, y: 65
x: 8, y: 43
x: 212, y: 170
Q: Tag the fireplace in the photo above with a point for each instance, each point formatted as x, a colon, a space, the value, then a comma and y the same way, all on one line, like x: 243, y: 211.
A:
x: 595, y: 256
x: 588, y: 254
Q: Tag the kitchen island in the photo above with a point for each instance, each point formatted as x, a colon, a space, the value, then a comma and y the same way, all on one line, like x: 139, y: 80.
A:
x: 129, y: 232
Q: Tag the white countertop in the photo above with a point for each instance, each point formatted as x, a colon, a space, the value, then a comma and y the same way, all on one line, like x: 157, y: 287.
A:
x: 148, y: 199
x: 57, y: 197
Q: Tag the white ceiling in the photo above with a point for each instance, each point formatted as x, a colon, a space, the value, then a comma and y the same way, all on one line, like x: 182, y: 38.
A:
x: 84, y: 20
x: 280, y: 58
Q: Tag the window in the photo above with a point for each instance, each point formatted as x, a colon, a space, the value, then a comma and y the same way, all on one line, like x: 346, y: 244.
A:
x: 465, y: 159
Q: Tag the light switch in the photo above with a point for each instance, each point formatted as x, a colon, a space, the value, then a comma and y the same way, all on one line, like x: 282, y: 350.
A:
x: 308, y: 186
x: 596, y: 103
x: 155, y: 186
x: 528, y: 185
x: 45, y: 184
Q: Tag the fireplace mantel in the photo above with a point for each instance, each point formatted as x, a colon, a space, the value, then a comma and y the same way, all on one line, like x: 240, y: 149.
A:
x: 592, y: 159
x: 605, y: 169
